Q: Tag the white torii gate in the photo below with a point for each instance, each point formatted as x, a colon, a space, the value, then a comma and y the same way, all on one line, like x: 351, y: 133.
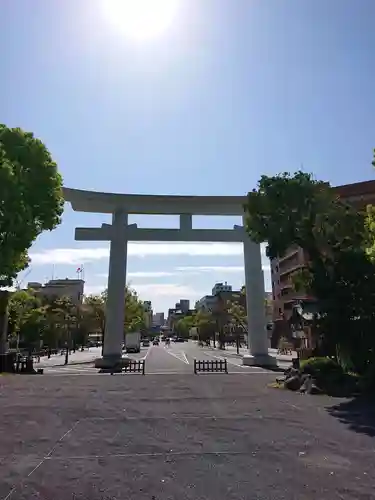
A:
x: 119, y: 233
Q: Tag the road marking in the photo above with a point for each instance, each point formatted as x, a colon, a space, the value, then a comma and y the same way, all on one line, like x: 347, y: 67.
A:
x: 47, y: 457
x: 264, y: 370
x: 184, y: 355
x: 147, y: 353
x: 228, y: 360
x: 185, y: 360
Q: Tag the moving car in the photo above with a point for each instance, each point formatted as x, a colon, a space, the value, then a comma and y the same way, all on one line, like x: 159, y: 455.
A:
x: 146, y: 343
x: 155, y: 342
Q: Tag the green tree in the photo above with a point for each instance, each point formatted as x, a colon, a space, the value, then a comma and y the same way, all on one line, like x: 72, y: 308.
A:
x: 94, y: 313
x: 206, y: 324
x: 30, y: 197
x: 296, y: 209
x: 134, y: 311
x: 26, y: 319
x: 370, y: 232
x: 184, y: 325
x: 62, y: 320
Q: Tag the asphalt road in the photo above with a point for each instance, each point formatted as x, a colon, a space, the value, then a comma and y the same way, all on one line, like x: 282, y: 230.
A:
x: 178, y: 436
x: 178, y: 358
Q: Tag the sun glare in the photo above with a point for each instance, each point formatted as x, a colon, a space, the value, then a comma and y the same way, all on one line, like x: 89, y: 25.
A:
x: 141, y: 19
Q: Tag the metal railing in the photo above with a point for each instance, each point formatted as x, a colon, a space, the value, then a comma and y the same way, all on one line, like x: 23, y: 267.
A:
x: 210, y: 366
x: 130, y: 366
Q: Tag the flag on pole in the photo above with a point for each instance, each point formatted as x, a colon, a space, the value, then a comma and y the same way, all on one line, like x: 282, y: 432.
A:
x: 79, y: 270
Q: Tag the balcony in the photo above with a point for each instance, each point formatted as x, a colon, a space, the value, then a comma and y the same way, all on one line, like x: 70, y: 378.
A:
x: 291, y: 251
x: 292, y: 296
x: 289, y: 270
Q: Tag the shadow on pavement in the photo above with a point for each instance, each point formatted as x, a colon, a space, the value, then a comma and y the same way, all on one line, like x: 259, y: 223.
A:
x: 276, y: 369
x: 358, y: 414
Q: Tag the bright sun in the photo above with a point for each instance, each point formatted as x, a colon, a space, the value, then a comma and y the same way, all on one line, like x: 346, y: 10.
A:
x: 141, y: 19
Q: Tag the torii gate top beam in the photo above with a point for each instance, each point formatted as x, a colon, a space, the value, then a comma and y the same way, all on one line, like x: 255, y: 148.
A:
x: 97, y: 202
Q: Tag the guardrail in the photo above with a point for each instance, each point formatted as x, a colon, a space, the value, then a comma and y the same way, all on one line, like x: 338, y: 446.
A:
x: 210, y: 366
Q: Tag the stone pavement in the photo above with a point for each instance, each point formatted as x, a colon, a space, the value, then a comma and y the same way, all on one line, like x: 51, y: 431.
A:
x: 172, y: 437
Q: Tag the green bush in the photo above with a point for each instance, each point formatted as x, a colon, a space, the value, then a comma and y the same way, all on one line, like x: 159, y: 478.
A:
x: 321, y: 368
x: 330, y: 376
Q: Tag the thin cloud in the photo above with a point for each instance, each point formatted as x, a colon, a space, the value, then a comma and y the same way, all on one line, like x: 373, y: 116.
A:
x: 186, y: 270
x: 83, y: 255
x: 94, y: 289
x: 150, y: 274
x: 173, y: 290
x: 218, y: 269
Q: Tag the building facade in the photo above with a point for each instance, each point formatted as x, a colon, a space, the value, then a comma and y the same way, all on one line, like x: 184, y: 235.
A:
x: 158, y: 319
x: 221, y: 287
x: 54, y: 289
x: 147, y: 311
x: 284, y: 296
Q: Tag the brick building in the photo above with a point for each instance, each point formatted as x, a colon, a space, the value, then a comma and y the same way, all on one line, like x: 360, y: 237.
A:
x: 359, y: 194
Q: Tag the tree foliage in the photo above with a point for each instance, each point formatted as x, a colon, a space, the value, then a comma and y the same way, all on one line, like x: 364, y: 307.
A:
x: 94, y: 312
x: 184, y: 325
x: 134, y: 311
x: 26, y: 317
x: 30, y: 197
x: 57, y: 321
x: 288, y: 210
x: 206, y: 324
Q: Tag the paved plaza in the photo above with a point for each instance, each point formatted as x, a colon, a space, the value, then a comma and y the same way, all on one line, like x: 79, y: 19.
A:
x: 179, y: 436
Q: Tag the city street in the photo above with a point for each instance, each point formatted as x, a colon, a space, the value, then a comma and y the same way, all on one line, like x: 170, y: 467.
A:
x: 177, y: 358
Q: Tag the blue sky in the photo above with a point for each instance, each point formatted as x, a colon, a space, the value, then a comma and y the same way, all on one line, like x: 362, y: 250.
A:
x: 232, y: 90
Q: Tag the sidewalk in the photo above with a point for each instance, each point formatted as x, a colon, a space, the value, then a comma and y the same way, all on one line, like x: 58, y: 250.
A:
x: 232, y: 351
x: 78, y: 357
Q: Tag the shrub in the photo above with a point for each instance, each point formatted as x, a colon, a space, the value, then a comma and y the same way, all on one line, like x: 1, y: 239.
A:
x: 322, y: 368
x: 329, y: 376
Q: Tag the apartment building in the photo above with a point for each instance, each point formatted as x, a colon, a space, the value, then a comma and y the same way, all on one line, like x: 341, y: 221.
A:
x: 359, y: 195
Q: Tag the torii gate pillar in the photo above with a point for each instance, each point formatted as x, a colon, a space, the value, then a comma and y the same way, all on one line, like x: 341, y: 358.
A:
x: 119, y: 233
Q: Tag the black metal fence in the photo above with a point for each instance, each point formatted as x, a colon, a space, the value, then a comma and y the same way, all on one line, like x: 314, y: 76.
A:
x: 136, y: 366
x: 210, y: 366
x: 128, y: 366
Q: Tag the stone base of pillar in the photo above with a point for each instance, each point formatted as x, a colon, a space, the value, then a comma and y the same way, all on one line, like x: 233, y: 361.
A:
x: 262, y: 360
x: 113, y: 361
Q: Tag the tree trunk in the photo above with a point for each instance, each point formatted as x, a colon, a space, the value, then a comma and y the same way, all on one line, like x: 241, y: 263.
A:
x: 6, y: 359
x: 4, y: 302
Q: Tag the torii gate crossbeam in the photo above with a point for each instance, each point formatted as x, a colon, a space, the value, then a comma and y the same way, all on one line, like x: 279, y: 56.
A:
x: 119, y: 233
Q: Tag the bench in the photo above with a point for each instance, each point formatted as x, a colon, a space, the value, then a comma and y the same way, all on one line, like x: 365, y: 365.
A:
x: 210, y: 366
